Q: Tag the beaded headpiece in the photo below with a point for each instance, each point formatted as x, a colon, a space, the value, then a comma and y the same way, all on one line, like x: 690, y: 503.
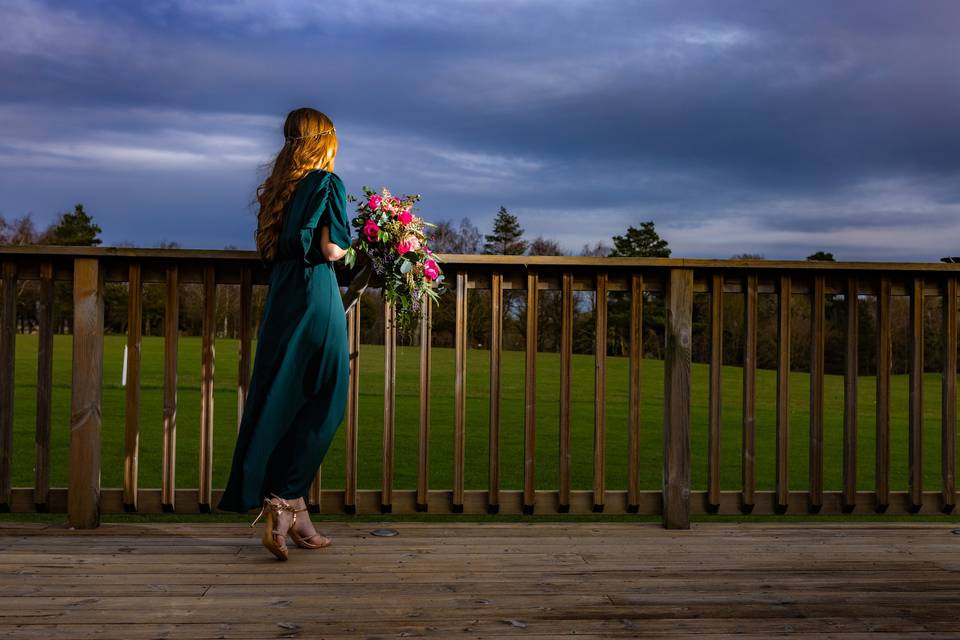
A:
x: 312, y: 135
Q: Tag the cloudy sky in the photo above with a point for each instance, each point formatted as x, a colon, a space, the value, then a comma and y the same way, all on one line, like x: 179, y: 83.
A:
x: 777, y: 128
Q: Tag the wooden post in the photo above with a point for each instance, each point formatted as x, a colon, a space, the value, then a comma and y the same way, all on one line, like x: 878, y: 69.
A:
x: 633, y: 417
x: 243, y: 363
x: 915, y: 399
x: 948, y: 397
x: 818, y: 339
x: 8, y: 333
x: 566, y: 378
x: 530, y: 398
x: 389, y: 403
x: 849, y: 470
x: 131, y: 458
x: 748, y: 447
x: 171, y: 323
x: 83, y: 494
x: 600, y: 391
x: 41, y: 487
x: 423, y: 453
x: 677, y: 400
x: 207, y: 371
x: 353, y: 408
x: 716, y: 392
x: 783, y: 394
x: 884, y: 364
x: 460, y: 391
x: 496, y: 347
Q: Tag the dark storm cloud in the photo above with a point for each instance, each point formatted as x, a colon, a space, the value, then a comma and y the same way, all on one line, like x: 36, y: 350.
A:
x: 790, y: 125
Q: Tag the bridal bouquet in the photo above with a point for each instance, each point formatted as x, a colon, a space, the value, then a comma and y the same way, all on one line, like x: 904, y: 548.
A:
x: 393, y: 253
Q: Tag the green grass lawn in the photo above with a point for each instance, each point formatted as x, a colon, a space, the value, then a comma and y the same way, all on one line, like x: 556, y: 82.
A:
x: 441, y: 437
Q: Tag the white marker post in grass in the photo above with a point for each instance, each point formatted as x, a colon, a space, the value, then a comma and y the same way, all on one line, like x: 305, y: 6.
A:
x: 123, y: 382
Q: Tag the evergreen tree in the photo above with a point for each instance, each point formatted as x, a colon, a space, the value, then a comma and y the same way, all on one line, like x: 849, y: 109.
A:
x: 640, y: 243
x: 74, y: 229
x: 507, y: 235
x: 821, y: 255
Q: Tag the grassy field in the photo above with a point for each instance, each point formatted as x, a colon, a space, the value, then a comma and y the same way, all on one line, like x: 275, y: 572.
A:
x: 441, y: 438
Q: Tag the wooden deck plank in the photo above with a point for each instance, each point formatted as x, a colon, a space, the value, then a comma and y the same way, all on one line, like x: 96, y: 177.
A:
x: 483, y: 580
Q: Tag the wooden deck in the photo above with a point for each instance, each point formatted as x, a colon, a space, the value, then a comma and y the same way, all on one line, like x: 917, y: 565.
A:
x: 592, y: 580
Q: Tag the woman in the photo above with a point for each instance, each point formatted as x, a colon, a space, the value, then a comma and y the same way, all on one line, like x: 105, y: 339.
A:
x: 298, y: 390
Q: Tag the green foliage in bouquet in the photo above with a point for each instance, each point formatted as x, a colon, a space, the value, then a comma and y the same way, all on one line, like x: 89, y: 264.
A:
x: 392, y: 238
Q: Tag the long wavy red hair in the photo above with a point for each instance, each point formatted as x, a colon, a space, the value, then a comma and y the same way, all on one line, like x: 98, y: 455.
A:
x: 310, y: 142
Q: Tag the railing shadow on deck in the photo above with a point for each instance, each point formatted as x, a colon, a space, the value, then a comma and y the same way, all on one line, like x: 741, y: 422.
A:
x: 676, y: 279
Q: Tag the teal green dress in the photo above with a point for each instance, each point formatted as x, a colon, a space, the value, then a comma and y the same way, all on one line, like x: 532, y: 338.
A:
x: 298, y: 389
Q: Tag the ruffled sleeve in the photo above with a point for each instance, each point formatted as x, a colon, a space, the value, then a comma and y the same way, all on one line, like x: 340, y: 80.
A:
x: 327, y: 205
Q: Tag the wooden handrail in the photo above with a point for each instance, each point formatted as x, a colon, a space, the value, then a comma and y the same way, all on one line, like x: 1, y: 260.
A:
x: 678, y: 280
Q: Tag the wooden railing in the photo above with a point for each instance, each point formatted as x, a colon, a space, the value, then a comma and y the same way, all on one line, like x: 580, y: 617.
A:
x: 677, y: 280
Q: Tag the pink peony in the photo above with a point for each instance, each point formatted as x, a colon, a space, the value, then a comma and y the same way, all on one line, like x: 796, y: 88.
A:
x: 404, y: 246
x: 405, y: 217
x: 430, y: 269
x: 374, y: 201
x: 370, y: 229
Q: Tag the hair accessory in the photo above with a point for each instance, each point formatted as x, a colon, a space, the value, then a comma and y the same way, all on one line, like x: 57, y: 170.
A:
x: 312, y: 135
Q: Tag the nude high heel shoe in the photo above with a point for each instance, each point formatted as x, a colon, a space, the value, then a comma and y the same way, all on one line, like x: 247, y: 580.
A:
x: 272, y: 524
x: 299, y: 540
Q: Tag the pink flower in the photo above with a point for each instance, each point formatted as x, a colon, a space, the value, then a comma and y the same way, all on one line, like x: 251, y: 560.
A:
x: 374, y: 201
x: 430, y: 269
x: 405, y: 217
x: 404, y: 246
x: 370, y: 229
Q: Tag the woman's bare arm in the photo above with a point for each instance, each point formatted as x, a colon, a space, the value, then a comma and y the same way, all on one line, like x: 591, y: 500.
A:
x: 331, y: 251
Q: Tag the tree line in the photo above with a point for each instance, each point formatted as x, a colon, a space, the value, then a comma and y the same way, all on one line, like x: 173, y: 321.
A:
x: 507, y: 237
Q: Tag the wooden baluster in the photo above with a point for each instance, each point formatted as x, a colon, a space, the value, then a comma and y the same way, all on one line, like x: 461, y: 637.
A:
x: 83, y: 495
x: 716, y: 392
x: 915, y: 409
x: 426, y: 353
x: 599, y: 391
x: 566, y: 378
x: 748, y: 451
x: 389, y: 403
x: 243, y: 373
x: 530, y: 398
x: 818, y: 337
x: 131, y: 445
x: 207, y: 368
x: 8, y: 332
x: 633, y: 418
x: 849, y: 473
x: 496, y: 347
x: 884, y: 366
x: 41, y: 486
x: 783, y: 394
x: 460, y: 391
x: 171, y: 324
x: 677, y: 399
x: 353, y: 412
x: 948, y: 396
